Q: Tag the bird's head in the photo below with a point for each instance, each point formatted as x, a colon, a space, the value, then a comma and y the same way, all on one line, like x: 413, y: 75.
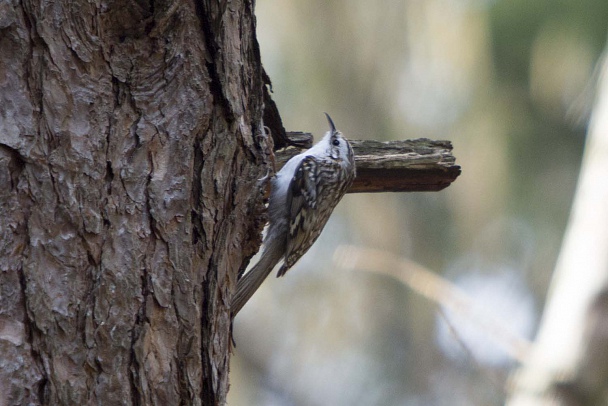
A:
x: 338, y: 146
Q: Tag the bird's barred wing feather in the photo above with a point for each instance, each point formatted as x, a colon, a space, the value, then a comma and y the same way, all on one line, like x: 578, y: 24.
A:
x: 314, y: 192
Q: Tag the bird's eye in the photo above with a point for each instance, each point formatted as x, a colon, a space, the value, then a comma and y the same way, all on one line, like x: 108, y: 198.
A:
x: 336, y: 142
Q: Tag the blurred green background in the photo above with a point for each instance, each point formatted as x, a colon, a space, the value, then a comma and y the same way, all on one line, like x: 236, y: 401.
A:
x: 511, y: 84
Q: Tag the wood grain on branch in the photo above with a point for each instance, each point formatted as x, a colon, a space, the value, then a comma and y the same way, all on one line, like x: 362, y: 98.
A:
x: 419, y: 165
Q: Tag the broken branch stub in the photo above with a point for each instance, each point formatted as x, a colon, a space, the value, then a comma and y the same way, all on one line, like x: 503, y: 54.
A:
x: 419, y: 165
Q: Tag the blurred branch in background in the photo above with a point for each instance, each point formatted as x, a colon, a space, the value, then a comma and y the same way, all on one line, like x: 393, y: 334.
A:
x: 504, y: 81
x: 569, y: 361
x: 433, y: 287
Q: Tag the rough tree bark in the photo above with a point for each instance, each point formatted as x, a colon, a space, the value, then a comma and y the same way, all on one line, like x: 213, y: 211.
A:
x: 130, y: 151
x: 129, y: 156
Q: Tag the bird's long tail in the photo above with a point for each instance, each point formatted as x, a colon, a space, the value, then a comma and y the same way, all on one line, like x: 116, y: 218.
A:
x: 251, y: 281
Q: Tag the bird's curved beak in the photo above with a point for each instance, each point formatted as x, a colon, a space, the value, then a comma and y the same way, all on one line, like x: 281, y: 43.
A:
x: 332, y: 126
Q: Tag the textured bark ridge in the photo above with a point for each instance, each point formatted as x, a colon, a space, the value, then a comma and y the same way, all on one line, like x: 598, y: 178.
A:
x: 129, y: 159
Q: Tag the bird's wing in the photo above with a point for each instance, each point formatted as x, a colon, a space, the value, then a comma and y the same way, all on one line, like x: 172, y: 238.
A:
x: 301, y: 203
x: 305, y: 206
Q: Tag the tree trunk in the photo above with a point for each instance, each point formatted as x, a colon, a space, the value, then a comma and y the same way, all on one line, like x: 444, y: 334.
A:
x: 129, y: 159
x: 568, y: 365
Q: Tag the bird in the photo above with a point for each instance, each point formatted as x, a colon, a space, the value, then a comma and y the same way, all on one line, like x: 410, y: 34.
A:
x: 303, y: 195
